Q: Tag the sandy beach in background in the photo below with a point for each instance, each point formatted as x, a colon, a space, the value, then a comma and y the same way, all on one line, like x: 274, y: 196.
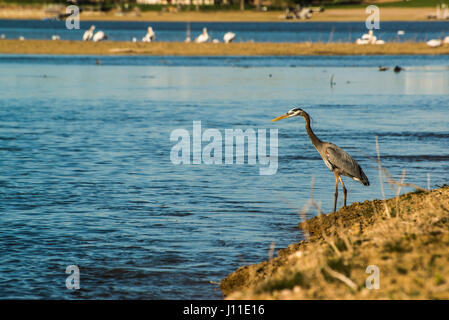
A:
x: 212, y: 49
x: 386, y: 14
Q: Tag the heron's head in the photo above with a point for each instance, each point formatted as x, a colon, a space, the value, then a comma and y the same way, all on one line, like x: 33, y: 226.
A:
x: 291, y: 113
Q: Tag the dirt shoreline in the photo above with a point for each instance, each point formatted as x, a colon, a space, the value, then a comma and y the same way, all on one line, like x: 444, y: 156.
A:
x: 406, y: 238
x: 337, y: 15
x: 66, y: 47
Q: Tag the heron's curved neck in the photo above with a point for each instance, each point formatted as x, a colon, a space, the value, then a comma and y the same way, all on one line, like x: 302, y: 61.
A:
x: 316, y: 142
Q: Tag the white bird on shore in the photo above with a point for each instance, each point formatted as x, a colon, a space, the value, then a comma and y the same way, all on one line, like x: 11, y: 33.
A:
x: 446, y: 40
x: 369, y: 38
x: 229, y: 37
x: 99, y: 36
x: 204, y: 37
x: 361, y: 41
x: 88, y: 35
x: 188, y: 39
x: 215, y: 41
x: 150, y: 36
x: 2, y: 37
x: 55, y: 37
x: 434, y: 43
x: 21, y: 38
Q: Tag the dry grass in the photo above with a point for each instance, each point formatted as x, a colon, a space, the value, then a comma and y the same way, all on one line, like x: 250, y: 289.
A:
x: 211, y: 49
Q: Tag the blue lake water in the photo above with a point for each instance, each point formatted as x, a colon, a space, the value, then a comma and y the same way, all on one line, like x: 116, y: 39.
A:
x: 245, y: 31
x: 86, y: 176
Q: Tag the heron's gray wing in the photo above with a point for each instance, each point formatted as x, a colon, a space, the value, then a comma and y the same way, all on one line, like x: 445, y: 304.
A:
x: 346, y: 165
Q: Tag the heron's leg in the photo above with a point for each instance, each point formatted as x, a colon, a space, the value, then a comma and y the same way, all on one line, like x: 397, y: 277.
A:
x: 336, y: 190
x: 344, y: 189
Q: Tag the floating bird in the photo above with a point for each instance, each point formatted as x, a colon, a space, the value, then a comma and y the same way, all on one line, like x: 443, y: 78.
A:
x: 398, y: 69
x: 401, y: 32
x: 99, y: 36
x: 150, y: 36
x: 229, y: 37
x: 88, y: 35
x: 204, y: 37
x: 381, y: 68
x: 434, y: 43
x: 335, y: 158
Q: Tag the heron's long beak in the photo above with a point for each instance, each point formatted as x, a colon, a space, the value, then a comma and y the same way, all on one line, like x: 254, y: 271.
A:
x: 281, y: 117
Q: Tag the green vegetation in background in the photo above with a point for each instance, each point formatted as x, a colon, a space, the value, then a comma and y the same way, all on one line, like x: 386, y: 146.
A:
x: 106, y: 5
x: 31, y: 2
x: 395, y: 4
x: 215, y: 7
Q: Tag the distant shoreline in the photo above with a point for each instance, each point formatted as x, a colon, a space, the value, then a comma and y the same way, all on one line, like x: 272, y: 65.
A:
x: 70, y: 47
x: 329, y: 15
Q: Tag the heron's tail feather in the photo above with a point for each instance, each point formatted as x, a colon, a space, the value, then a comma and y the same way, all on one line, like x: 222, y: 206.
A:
x: 363, y: 178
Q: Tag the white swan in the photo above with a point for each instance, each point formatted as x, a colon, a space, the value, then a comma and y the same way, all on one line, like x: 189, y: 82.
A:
x: 434, y: 43
x: 99, y: 36
x: 369, y: 38
x: 204, y: 37
x: 88, y: 35
x: 229, y: 37
x: 361, y: 41
x: 150, y: 36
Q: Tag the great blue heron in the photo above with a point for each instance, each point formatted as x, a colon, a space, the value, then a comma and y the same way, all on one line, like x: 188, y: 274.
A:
x: 335, y: 158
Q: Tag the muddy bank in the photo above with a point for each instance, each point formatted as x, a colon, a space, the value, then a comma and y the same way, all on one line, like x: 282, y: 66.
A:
x: 406, y: 238
x: 212, y: 49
